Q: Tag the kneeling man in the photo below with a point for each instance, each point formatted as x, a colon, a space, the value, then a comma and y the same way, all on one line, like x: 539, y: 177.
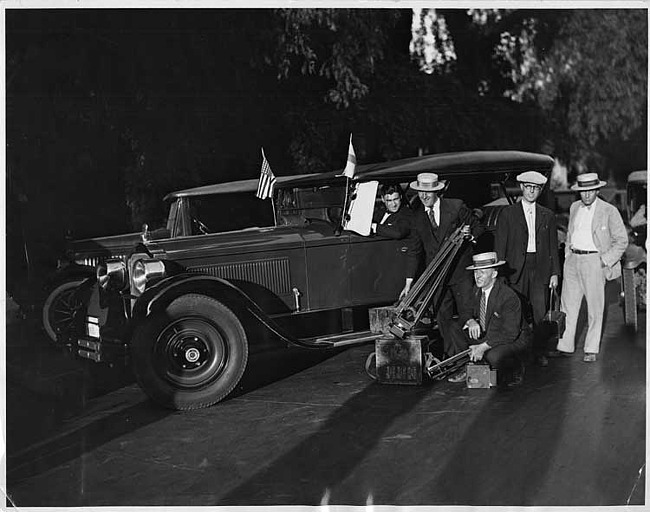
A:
x: 496, y: 332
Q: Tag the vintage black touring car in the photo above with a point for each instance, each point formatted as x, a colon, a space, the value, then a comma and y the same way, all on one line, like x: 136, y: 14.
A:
x: 232, y: 274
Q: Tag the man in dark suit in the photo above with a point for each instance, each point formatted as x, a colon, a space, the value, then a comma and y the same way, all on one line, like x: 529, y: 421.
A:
x: 433, y: 221
x: 392, y: 219
x: 526, y: 237
x: 496, y: 330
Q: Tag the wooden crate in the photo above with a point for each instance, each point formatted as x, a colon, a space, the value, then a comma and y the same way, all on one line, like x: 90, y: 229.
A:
x: 400, y: 361
x: 480, y: 376
x: 380, y: 318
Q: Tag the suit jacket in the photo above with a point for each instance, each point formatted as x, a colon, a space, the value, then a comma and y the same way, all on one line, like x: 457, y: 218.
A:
x: 426, y: 241
x: 503, y: 320
x: 608, y: 232
x: 396, y: 226
x: 511, y: 241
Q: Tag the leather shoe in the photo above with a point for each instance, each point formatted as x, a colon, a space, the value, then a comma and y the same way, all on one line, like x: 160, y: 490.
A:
x: 541, y: 361
x: 589, y: 357
x: 557, y: 353
x: 517, y: 377
x: 460, y: 376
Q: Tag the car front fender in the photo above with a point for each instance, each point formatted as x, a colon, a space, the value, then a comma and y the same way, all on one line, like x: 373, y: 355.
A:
x: 159, y: 296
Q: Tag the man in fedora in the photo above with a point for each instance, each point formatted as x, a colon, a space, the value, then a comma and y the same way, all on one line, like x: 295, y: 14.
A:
x: 495, y: 331
x: 596, y: 240
x: 432, y: 223
x: 526, y: 237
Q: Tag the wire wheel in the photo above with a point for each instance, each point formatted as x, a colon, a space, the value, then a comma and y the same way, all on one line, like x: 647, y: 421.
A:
x: 59, y: 310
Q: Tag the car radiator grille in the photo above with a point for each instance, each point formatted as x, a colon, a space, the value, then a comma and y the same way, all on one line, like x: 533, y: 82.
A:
x: 272, y: 274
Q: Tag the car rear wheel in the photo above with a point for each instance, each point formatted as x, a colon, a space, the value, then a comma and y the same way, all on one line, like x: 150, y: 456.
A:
x: 192, y: 355
x: 59, y: 310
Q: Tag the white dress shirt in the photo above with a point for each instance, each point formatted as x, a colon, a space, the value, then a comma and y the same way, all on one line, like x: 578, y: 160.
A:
x: 436, y: 211
x: 529, y: 215
x: 581, y: 238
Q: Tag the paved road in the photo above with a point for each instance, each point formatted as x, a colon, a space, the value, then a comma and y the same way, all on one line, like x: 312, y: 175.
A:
x: 573, y: 434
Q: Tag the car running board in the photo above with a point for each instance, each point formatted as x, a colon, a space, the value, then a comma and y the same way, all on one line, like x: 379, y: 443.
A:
x: 341, y: 340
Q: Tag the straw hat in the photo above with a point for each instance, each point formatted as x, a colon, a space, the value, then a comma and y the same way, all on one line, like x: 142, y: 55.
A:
x: 588, y: 181
x: 485, y: 260
x: 427, y: 182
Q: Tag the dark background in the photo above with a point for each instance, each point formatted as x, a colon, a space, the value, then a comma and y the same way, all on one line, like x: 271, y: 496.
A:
x: 109, y: 110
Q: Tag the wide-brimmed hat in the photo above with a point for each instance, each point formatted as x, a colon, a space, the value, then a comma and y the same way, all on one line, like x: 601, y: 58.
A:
x: 588, y: 181
x: 427, y: 182
x: 485, y: 260
x: 533, y: 177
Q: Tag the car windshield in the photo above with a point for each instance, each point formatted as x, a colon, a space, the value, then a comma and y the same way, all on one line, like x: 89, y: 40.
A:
x: 637, y: 195
x: 218, y: 213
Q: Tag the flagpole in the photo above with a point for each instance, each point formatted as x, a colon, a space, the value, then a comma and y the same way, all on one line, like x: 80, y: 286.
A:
x: 347, y: 186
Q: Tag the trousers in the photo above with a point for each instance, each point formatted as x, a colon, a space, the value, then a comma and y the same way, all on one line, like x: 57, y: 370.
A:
x: 458, y: 293
x: 536, y: 293
x: 583, y: 277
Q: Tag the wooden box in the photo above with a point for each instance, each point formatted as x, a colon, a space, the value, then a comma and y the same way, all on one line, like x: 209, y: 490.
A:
x: 480, y: 376
x: 400, y: 361
x: 380, y: 318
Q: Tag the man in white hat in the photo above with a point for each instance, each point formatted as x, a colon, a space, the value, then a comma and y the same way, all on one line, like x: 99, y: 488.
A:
x: 596, y: 240
x: 496, y: 331
x: 432, y: 223
x: 526, y: 237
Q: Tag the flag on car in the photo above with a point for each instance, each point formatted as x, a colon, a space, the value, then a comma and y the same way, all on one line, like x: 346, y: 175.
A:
x: 267, y: 179
x: 351, y: 164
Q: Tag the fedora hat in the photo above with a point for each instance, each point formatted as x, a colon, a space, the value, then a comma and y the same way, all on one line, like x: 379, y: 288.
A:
x: 427, y: 182
x: 485, y: 260
x: 588, y: 181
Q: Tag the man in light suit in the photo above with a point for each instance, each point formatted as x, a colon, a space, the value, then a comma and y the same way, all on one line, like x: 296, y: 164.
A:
x: 393, y: 218
x: 526, y: 237
x: 596, y: 240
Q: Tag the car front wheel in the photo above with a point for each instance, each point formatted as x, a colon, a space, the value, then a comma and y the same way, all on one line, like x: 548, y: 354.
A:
x: 191, y: 355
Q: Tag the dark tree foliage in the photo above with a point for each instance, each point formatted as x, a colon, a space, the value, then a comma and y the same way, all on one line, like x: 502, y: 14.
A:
x: 109, y: 110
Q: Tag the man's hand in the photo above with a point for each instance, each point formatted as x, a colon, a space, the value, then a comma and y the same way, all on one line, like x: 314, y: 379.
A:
x: 553, y: 282
x: 406, y: 289
x: 473, y: 328
x: 477, y: 351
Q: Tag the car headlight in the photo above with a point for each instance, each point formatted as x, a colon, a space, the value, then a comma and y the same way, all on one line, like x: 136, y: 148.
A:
x: 111, y: 275
x: 144, y: 271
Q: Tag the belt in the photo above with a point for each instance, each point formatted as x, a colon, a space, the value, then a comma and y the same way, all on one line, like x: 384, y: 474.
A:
x: 578, y: 251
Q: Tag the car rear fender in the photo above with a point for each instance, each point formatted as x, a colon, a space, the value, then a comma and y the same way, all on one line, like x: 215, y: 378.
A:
x: 255, y: 321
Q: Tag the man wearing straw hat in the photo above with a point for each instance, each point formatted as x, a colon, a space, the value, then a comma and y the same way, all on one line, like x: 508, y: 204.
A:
x: 496, y: 331
x: 596, y: 240
x: 526, y: 237
x: 432, y: 223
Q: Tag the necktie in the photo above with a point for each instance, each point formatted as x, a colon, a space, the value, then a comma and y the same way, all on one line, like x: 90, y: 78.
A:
x: 482, y: 309
x: 432, y: 219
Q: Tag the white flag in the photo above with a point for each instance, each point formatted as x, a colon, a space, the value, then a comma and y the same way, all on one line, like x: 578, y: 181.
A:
x: 351, y: 164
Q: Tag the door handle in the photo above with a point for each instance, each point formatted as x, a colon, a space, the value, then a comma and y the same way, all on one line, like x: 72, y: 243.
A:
x: 296, y: 298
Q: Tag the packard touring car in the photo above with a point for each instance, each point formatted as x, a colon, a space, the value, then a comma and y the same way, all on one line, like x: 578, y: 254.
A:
x: 231, y: 275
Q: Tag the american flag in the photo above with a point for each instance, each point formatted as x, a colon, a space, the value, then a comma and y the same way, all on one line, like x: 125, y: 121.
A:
x: 267, y: 179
